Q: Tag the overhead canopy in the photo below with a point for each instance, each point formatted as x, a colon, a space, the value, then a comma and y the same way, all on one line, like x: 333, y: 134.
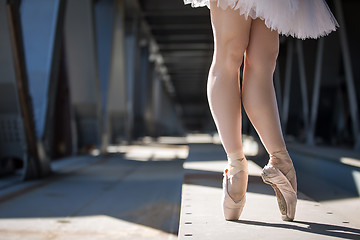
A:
x: 185, y: 40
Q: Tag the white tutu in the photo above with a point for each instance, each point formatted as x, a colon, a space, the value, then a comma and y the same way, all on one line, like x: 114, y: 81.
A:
x: 298, y: 18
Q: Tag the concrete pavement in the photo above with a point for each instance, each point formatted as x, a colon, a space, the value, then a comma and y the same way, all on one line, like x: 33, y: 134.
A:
x: 201, y: 214
x: 134, y: 195
x: 138, y: 194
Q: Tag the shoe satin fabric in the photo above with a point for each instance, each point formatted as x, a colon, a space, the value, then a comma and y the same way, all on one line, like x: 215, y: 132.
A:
x: 231, y: 209
x: 297, y: 18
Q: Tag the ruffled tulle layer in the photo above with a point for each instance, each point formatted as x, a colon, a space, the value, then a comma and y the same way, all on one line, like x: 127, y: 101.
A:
x: 298, y: 18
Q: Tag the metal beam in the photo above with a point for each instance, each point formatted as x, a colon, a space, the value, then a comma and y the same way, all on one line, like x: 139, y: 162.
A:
x: 104, y: 20
x: 116, y: 100
x: 82, y: 69
x: 316, y: 92
x: 303, y: 84
x: 348, y: 73
x: 131, y: 54
x: 33, y: 166
x: 287, y: 87
x: 42, y: 34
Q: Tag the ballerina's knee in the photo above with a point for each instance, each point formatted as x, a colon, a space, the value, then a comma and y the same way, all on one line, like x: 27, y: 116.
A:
x: 229, y: 55
x: 261, y: 61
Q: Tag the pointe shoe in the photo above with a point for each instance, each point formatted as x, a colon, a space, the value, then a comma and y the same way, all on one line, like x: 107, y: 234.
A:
x: 284, y: 185
x: 232, y: 209
x: 282, y: 161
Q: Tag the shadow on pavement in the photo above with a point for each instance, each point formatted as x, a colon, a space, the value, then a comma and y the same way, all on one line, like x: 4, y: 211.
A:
x: 312, y: 227
x: 141, y: 192
x: 214, y: 179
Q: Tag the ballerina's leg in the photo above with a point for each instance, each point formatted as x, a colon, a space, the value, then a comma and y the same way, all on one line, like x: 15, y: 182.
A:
x: 259, y: 97
x: 258, y: 92
x: 231, y: 35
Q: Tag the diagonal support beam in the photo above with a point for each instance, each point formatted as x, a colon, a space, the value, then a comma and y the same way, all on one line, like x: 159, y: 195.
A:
x: 316, y: 92
x: 349, y: 78
x: 303, y: 84
x: 287, y: 87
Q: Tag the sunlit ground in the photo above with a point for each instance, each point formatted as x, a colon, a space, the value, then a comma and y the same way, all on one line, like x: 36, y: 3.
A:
x: 149, y: 161
x: 152, y: 153
x: 169, y: 148
x: 99, y: 227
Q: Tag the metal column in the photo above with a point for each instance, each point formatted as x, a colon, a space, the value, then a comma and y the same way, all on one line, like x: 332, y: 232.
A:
x: 141, y: 85
x: 316, y: 92
x: 303, y: 84
x: 131, y: 54
x: 156, y: 104
x: 83, y: 75
x: 104, y: 19
x: 287, y: 87
x: 116, y: 100
x: 348, y: 74
x: 42, y: 34
x: 17, y: 127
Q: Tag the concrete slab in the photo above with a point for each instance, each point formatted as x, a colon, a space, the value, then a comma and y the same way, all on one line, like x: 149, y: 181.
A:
x: 201, y: 215
x: 111, y: 198
x: 138, y: 197
x: 98, y: 227
x: 331, y: 176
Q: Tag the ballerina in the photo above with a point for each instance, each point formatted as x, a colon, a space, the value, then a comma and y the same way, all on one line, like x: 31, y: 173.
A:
x: 247, y: 32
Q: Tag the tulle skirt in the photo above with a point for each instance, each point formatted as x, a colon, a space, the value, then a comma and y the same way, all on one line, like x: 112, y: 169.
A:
x: 298, y: 18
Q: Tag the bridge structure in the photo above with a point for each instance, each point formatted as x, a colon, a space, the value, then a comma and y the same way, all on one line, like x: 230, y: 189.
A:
x: 91, y: 77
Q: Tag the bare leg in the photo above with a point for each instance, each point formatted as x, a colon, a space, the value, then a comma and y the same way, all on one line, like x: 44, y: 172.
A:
x: 259, y: 96
x: 231, y: 35
x: 258, y: 90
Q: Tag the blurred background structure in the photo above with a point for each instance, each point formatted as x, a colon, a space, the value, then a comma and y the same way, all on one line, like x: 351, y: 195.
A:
x: 81, y: 76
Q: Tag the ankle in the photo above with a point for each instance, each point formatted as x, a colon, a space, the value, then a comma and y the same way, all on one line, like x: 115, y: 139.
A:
x: 282, y: 161
x: 235, y: 156
x: 280, y: 157
x: 280, y: 151
x: 236, y: 162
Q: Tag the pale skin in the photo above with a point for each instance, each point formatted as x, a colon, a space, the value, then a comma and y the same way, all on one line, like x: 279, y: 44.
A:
x: 238, y: 40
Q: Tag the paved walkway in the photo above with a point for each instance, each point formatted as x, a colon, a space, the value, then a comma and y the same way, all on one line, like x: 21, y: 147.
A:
x: 201, y: 216
x: 140, y: 193
x: 123, y: 196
